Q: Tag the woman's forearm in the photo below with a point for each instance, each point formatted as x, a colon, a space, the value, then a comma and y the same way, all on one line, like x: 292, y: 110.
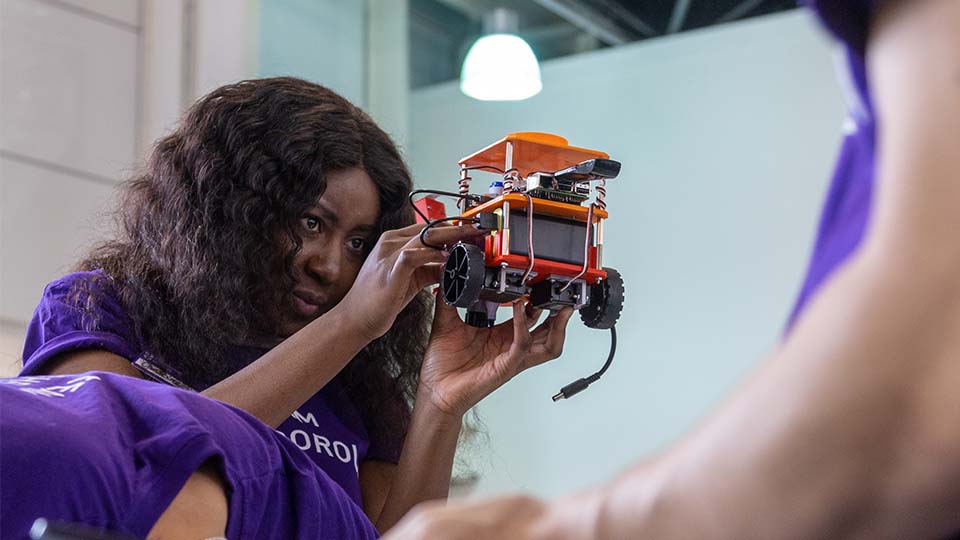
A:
x: 426, y: 462
x: 845, y: 432
x: 852, y: 430
x: 272, y: 387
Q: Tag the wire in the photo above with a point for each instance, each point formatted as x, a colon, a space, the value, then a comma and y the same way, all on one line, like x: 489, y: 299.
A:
x: 529, y: 238
x: 586, y: 250
x: 434, y: 223
x: 580, y: 385
x: 435, y: 192
x: 613, y: 350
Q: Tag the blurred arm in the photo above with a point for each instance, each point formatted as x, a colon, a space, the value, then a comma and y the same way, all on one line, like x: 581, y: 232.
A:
x: 852, y: 429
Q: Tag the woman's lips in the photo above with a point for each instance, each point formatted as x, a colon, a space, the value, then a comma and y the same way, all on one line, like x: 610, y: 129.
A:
x: 307, y: 305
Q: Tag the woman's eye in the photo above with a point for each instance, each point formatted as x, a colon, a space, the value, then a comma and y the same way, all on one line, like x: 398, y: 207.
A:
x: 311, y: 223
x: 358, y: 244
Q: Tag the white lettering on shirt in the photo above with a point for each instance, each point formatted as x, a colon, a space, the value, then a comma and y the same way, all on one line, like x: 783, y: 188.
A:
x: 306, y: 439
x: 337, y: 445
x: 322, y: 445
x: 320, y: 440
x: 308, y: 419
x: 59, y: 391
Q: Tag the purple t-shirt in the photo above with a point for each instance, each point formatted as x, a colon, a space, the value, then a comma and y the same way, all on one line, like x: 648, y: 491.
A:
x: 81, y: 311
x: 847, y: 208
x: 112, y: 452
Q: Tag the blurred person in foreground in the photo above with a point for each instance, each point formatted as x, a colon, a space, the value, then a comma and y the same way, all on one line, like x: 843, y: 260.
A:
x: 852, y: 428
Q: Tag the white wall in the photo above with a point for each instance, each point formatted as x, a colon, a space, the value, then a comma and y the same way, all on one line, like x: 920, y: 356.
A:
x: 319, y: 40
x: 69, y: 111
x: 358, y: 49
x: 727, y: 138
x: 388, y: 67
x: 87, y: 87
x: 224, y: 43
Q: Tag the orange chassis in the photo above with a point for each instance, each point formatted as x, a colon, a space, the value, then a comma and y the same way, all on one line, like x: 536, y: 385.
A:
x: 497, y: 245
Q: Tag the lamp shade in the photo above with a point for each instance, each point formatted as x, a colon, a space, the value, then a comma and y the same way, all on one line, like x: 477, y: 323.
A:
x: 500, y: 67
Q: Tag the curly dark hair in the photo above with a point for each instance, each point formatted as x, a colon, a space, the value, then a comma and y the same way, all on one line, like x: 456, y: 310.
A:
x: 196, y: 262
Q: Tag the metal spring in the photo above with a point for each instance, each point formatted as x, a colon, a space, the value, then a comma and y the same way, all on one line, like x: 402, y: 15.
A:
x: 601, y: 194
x: 464, y: 189
x: 510, y: 179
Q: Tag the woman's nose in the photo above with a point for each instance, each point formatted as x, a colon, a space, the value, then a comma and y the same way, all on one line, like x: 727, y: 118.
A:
x: 323, y: 264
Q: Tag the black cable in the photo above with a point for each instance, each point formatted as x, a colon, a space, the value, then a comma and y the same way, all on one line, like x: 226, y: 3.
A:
x: 580, y: 385
x: 434, y: 223
x: 435, y: 192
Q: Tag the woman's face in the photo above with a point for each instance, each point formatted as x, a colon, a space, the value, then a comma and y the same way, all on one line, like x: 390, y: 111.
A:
x: 338, y: 231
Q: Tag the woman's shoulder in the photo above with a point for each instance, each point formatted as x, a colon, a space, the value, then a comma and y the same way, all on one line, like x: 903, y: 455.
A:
x: 76, y: 286
x: 79, y: 311
x: 87, y: 301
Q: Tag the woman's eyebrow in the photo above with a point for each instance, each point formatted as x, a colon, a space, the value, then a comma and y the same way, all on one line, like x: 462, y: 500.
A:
x: 365, y: 229
x: 328, y: 215
x: 333, y: 220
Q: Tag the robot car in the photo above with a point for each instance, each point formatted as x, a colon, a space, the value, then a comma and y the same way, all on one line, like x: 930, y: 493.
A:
x: 544, y: 210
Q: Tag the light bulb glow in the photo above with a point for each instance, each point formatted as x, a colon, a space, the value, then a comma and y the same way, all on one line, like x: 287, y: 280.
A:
x: 500, y: 67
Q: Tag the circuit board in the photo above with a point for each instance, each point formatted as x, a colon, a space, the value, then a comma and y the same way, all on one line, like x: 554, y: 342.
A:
x: 558, y: 196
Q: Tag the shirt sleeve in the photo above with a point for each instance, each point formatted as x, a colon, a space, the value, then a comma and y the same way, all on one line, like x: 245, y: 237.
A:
x: 847, y: 20
x: 80, y: 311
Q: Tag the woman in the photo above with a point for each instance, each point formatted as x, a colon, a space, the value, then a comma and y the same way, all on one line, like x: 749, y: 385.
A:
x: 267, y: 258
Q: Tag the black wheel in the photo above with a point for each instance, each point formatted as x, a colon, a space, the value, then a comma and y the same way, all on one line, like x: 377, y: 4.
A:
x: 462, y: 275
x: 606, y: 302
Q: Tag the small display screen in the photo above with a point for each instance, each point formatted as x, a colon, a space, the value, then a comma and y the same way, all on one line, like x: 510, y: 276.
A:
x: 555, y: 239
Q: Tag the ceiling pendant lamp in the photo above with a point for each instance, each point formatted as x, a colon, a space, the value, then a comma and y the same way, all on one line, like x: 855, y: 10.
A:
x: 500, y: 66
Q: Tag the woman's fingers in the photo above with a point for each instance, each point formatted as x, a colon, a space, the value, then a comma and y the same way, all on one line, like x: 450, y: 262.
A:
x: 438, y: 235
x: 521, y: 327
x: 444, y: 316
x: 549, y: 337
x: 411, y: 259
x: 533, y: 315
x: 449, y: 235
x: 427, y: 275
x: 412, y: 256
x: 520, y: 348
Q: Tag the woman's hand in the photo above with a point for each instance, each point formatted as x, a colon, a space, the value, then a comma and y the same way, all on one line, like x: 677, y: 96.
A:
x: 510, y: 517
x: 397, y: 268
x: 464, y: 364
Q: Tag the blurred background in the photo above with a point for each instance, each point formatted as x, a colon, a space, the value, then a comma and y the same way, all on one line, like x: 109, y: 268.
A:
x: 725, y: 114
